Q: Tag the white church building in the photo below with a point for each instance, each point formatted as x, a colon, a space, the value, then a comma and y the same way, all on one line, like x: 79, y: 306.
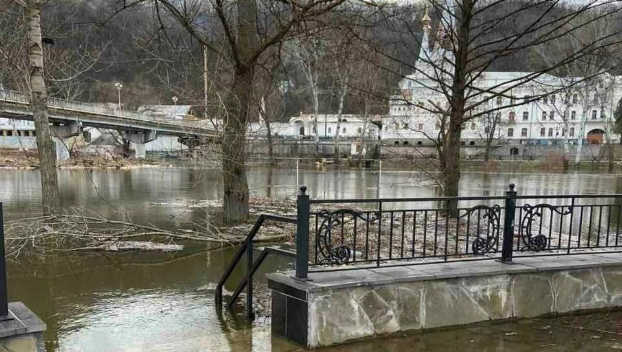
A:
x: 547, y: 110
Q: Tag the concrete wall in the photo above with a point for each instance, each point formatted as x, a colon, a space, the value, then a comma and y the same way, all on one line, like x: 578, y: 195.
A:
x: 345, y: 306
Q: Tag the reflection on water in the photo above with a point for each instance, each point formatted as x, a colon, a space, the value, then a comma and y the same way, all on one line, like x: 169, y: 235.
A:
x: 150, y: 302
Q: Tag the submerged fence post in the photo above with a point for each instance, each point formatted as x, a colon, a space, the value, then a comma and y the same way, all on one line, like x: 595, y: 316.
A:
x: 302, y: 234
x: 508, y: 225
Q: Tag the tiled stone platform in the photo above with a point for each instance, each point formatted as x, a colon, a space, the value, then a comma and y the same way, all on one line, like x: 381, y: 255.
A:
x: 335, y: 307
x: 22, y: 333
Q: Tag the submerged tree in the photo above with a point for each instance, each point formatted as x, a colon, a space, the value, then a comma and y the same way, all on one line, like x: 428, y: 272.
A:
x: 240, y: 31
x: 38, y: 102
x: 475, y: 37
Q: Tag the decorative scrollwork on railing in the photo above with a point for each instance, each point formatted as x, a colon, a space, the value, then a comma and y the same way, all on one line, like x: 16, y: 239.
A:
x: 340, y: 254
x: 531, y: 213
x: 483, y: 245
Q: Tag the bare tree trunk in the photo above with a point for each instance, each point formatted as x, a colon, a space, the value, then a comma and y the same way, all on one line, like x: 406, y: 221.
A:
x: 316, y: 108
x: 270, y: 142
x: 127, y: 151
x: 342, y: 97
x: 451, y: 170
x: 487, y: 153
x: 47, y: 154
x: 235, y: 204
x: 610, y: 156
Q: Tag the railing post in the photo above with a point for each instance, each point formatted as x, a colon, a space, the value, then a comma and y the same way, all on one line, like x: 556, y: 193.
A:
x: 508, y: 225
x: 250, y: 314
x: 302, y: 234
x: 4, y: 303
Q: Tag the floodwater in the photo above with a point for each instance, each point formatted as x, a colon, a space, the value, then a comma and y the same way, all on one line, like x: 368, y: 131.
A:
x: 150, y: 302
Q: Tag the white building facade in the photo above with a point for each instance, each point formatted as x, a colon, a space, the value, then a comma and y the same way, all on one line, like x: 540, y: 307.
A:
x: 539, y: 110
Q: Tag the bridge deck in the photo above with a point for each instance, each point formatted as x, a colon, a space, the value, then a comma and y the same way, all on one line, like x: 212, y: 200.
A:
x: 15, y: 105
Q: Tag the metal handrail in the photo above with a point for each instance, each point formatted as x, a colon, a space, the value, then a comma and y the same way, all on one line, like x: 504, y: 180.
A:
x: 251, y: 265
x: 437, y: 199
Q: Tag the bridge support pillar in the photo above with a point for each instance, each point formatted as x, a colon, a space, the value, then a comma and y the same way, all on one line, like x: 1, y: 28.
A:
x: 62, y: 152
x: 138, y: 140
x: 60, y: 135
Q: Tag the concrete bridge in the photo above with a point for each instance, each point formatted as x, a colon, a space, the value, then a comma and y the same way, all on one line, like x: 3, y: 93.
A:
x: 70, y: 117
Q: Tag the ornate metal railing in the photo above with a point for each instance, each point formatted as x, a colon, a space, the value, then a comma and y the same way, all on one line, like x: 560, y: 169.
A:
x: 347, y: 233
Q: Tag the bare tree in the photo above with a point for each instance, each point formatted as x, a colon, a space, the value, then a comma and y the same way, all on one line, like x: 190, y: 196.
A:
x: 247, y: 28
x: 473, y: 36
x: 45, y: 146
x: 491, y: 132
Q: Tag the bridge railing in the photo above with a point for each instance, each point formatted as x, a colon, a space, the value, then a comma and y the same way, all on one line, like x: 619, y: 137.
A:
x: 352, y: 233
x: 17, y: 97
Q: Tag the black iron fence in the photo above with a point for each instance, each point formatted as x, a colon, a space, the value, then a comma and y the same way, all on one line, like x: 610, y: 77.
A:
x: 344, y: 234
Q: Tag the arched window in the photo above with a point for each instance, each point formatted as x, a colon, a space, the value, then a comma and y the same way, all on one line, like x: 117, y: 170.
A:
x: 343, y: 130
x: 472, y: 143
x: 543, y: 115
x: 525, y: 115
x: 594, y: 114
x: 550, y: 132
x: 329, y: 131
x: 512, y: 116
x: 396, y: 143
x: 510, y: 132
x: 359, y: 131
x: 523, y: 132
x: 302, y: 131
x: 551, y: 115
x: 405, y: 143
x: 542, y: 132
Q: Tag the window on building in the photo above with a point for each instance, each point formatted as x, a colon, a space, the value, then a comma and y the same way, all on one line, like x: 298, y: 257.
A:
x: 573, y: 115
x: 9, y: 133
x: 545, y: 99
x: 396, y: 125
x: 594, y: 114
x: 34, y: 133
x: 499, y: 100
x: 510, y: 132
x: 595, y: 98
x: 512, y: 116
x: 471, y: 143
x: 359, y: 130
x: 571, y: 132
x: 565, y: 115
x: 329, y: 130
x: 543, y: 115
x: 487, y: 129
x: 462, y: 143
x: 550, y: 132
x: 473, y: 127
x: 553, y: 99
x: 551, y: 115
x: 405, y: 125
x: 575, y: 98
x: 420, y: 127
x: 386, y: 128
x: 542, y: 132
x: 523, y: 132
x: 437, y: 126
x: 343, y: 130
x: 525, y: 116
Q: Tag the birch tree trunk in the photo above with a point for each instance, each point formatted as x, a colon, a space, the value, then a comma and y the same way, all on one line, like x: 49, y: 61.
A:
x: 47, y: 154
x: 342, y: 96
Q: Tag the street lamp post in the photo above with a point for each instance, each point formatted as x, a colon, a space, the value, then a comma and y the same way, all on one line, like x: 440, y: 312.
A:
x: 119, y: 86
x: 174, y: 100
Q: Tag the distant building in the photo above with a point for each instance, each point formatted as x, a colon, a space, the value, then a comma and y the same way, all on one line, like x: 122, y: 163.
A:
x: 302, y: 127
x: 17, y: 134
x: 568, y: 112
